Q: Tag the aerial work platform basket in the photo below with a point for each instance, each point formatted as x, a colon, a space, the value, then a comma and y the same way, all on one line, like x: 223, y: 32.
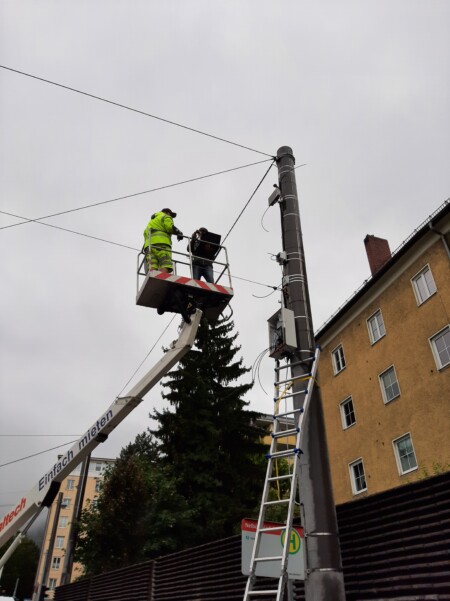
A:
x: 179, y: 292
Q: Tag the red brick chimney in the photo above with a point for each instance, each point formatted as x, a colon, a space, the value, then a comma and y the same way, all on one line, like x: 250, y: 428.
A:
x: 378, y: 252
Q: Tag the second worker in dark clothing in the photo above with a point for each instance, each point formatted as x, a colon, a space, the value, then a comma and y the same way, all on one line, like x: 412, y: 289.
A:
x: 201, y: 266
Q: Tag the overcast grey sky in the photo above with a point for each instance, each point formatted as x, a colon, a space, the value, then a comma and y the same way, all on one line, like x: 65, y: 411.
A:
x: 358, y: 89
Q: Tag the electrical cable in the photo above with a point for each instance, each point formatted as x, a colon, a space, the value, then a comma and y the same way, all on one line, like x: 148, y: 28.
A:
x: 36, y: 454
x: 266, y: 295
x: 64, y: 229
x: 146, y: 356
x: 197, y: 131
x: 248, y: 201
x: 57, y: 227
x: 103, y: 202
x: 38, y: 435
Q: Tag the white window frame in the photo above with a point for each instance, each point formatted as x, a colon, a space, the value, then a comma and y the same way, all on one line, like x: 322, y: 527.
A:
x: 65, y: 503
x: 397, y: 454
x: 352, y: 476
x: 373, y: 339
x: 334, y: 353
x: 382, y: 387
x: 63, y: 521
x: 432, y: 341
x: 345, y: 426
x: 56, y: 563
x: 70, y: 484
x: 59, y: 543
x: 421, y: 276
x: 52, y: 583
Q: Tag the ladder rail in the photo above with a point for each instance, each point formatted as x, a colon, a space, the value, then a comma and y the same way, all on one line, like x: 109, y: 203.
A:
x: 299, y: 417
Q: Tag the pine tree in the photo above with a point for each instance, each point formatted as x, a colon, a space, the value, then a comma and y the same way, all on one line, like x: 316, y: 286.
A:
x: 192, y: 479
x: 209, y: 439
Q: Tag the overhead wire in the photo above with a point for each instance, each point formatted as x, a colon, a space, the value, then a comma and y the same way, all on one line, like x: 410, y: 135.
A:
x: 146, y: 356
x: 37, y: 435
x: 36, y: 454
x: 248, y: 201
x: 150, y: 191
x: 134, y: 110
x: 65, y: 229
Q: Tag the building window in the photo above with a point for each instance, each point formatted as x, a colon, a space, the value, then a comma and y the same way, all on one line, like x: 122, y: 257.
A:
x: 63, y: 522
x: 347, y: 413
x: 98, y: 484
x: 423, y: 285
x: 59, y: 542
x: 389, y: 384
x: 65, y: 503
x: 404, y: 454
x: 70, y: 484
x: 56, y: 561
x: 357, y: 476
x: 338, y: 359
x: 52, y: 583
x: 376, y: 327
x: 440, y: 343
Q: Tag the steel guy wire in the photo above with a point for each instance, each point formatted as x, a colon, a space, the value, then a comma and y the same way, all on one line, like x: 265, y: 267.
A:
x: 129, y: 108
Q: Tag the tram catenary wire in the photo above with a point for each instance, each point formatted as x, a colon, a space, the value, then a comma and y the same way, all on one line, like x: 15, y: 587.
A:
x: 150, y: 191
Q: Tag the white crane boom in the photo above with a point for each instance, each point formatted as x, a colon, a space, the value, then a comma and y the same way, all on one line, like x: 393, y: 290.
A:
x: 43, y: 494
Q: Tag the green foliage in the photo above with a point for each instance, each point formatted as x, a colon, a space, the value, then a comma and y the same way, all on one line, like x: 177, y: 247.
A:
x: 21, y: 565
x: 209, y: 438
x: 134, y: 508
x: 191, y: 479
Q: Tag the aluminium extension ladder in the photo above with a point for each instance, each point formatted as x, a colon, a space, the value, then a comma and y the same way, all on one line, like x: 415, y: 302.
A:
x: 297, y: 417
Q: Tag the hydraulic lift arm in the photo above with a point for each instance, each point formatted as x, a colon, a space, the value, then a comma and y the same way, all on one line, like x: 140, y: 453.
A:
x: 43, y: 494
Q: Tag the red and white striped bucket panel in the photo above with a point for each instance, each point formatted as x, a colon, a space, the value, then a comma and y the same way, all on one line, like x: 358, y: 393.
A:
x: 179, y: 279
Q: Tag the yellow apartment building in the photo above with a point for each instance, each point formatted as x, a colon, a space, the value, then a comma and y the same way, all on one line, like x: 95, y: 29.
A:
x: 385, y: 367
x: 60, y: 519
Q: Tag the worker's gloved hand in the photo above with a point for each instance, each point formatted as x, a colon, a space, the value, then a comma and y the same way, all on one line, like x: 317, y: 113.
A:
x: 179, y: 236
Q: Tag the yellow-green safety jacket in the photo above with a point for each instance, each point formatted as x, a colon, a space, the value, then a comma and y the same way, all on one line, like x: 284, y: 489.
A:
x: 159, y: 230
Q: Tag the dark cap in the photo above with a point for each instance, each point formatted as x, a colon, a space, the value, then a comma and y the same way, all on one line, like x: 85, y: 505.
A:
x: 169, y: 212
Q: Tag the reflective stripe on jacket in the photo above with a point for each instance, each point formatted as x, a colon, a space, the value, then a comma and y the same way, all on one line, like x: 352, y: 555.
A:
x: 159, y: 230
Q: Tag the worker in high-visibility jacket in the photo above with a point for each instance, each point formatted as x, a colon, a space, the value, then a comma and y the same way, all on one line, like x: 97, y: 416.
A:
x: 158, y: 240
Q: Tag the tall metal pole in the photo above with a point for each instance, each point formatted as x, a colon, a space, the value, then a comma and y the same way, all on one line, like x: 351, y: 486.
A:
x: 72, y: 536
x: 51, y: 545
x: 324, y: 579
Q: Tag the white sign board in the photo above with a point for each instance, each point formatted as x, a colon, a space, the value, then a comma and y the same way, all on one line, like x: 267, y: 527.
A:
x: 272, y: 544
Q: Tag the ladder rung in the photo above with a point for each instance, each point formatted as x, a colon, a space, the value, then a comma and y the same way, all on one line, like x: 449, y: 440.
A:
x: 292, y: 380
x: 269, y: 529
x: 264, y: 592
x: 295, y: 363
x: 285, y: 477
x: 274, y: 558
x: 291, y: 394
x: 286, y: 453
x: 293, y: 412
x: 284, y: 433
x: 277, y: 502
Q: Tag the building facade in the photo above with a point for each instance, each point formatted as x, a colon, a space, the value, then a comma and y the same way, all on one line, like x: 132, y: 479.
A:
x: 60, y: 519
x: 385, y: 367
